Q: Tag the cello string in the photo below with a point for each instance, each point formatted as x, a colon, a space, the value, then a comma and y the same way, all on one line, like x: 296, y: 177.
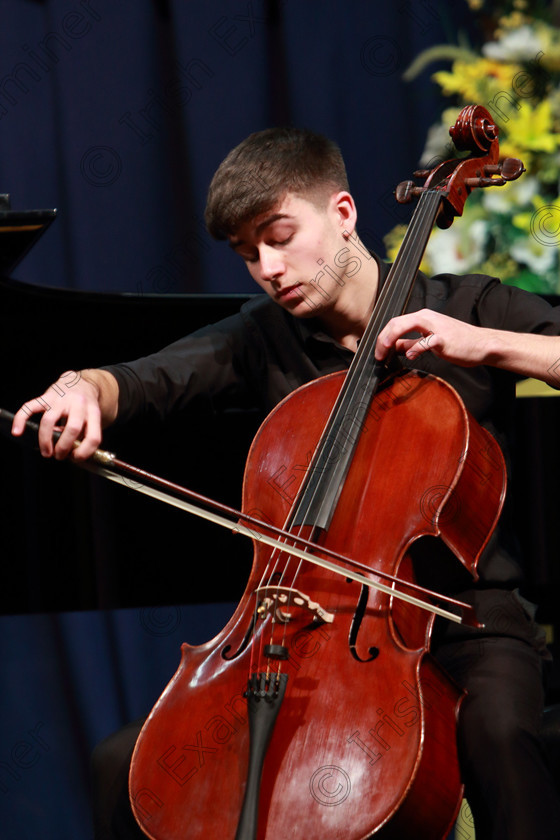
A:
x: 406, y: 266
x: 390, y: 291
x: 357, y: 388
x: 358, y: 380
x: 393, y: 299
x: 363, y: 378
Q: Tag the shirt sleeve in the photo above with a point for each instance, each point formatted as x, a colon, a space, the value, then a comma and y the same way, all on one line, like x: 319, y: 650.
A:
x: 509, y: 308
x: 485, y: 301
x: 216, y: 364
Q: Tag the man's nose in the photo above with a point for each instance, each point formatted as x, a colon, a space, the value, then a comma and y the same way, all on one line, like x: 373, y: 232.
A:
x: 271, y: 262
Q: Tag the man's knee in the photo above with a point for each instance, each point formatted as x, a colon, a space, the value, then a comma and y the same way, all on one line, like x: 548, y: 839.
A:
x: 110, y: 759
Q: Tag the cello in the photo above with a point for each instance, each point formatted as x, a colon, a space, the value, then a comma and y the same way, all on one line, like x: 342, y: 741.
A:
x: 345, y: 722
x: 318, y: 711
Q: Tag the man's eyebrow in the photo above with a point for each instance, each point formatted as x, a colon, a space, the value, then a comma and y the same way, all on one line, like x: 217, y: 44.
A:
x: 260, y: 227
x: 271, y: 219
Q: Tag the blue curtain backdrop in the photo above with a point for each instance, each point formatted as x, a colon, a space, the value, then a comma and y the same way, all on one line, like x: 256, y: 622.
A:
x: 117, y: 114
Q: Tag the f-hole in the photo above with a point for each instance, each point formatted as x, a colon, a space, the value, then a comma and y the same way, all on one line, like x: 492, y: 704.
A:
x: 355, y: 628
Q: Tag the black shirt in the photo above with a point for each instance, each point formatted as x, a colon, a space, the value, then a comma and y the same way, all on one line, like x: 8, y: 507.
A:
x: 255, y: 358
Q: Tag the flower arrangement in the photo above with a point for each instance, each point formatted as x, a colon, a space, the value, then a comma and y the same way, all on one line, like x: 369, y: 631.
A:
x: 513, y: 231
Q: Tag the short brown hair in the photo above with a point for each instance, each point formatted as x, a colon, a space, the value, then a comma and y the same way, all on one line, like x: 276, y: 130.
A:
x: 257, y: 174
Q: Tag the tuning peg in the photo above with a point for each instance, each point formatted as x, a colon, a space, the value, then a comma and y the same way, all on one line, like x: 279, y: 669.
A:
x: 474, y: 183
x: 406, y: 191
x: 507, y: 170
x: 511, y: 168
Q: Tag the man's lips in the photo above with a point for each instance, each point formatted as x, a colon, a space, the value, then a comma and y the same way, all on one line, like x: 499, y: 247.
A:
x: 288, y: 292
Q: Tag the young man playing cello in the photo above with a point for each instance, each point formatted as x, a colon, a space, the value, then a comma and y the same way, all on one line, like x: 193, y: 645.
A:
x: 282, y: 201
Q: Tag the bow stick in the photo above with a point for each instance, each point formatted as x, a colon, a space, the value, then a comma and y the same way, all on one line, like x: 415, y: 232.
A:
x: 107, y: 465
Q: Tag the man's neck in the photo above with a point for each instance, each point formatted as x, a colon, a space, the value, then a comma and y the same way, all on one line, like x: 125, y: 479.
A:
x: 348, y: 319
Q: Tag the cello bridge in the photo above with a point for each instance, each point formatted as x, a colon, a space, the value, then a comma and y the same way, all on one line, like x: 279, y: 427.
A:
x: 279, y: 601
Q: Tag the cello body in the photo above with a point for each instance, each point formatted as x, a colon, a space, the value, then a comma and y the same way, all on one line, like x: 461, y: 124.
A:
x: 364, y: 741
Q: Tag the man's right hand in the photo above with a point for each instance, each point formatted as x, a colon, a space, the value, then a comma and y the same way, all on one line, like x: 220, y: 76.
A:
x: 78, y: 405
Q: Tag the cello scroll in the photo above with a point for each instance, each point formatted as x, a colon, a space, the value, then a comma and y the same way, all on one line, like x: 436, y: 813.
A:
x: 476, y: 132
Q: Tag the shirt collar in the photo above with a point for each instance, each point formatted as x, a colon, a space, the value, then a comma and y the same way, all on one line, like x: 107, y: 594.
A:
x: 312, y: 329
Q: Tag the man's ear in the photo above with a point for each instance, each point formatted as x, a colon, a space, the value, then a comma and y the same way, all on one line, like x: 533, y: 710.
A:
x: 344, y: 206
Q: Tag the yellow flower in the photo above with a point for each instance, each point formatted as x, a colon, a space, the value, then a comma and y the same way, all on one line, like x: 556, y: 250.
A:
x: 500, y: 265
x: 549, y: 36
x: 528, y: 128
x: 542, y: 223
x: 512, y: 21
x: 478, y: 80
x: 516, y: 77
x: 393, y: 241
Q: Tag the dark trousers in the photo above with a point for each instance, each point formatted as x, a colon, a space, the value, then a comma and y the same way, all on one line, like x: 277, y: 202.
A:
x: 508, y: 785
x: 112, y: 816
x: 507, y: 782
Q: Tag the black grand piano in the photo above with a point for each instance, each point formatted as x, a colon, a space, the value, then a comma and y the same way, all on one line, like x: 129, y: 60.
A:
x: 73, y: 541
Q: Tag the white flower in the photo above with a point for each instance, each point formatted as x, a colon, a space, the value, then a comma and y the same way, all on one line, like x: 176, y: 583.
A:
x: 521, y: 44
x: 439, y: 146
x: 458, y: 249
x: 517, y: 194
x: 537, y: 257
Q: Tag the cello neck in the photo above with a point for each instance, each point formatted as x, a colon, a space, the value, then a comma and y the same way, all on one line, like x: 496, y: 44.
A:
x: 393, y: 297
x: 333, y: 456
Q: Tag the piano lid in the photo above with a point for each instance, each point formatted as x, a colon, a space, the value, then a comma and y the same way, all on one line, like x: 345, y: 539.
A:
x: 19, y: 231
